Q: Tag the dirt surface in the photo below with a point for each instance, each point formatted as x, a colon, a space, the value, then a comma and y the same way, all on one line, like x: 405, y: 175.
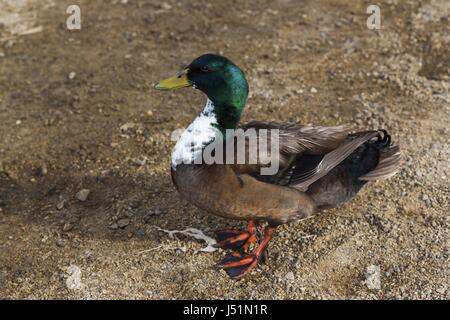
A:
x: 77, y: 111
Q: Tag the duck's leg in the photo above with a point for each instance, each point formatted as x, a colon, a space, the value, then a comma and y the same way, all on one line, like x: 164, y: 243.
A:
x: 237, y: 240
x: 237, y: 264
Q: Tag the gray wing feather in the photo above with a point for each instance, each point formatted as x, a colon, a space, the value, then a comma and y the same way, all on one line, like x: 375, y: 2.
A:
x: 296, y: 139
x: 330, y: 161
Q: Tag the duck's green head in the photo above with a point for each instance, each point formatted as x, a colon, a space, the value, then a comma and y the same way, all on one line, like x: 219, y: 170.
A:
x: 221, y: 80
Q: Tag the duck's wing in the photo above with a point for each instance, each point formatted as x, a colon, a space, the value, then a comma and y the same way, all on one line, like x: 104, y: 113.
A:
x: 297, y: 139
x: 292, y: 141
x: 305, y: 153
x: 307, y: 170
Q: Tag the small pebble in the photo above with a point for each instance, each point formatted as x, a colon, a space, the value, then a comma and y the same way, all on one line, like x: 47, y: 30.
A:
x: 41, y: 171
x: 150, y: 215
x: 60, y: 242
x: 114, y: 226
x: 122, y: 223
x: 289, y: 277
x: 60, y: 205
x: 67, y: 227
x: 166, y: 6
x: 140, y: 161
x: 83, y: 194
x: 72, y: 75
x: 9, y: 44
x: 441, y: 290
x: 373, y: 279
x: 73, y: 281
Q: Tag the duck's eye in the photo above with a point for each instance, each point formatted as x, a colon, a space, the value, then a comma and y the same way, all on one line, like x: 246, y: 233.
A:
x: 205, y: 69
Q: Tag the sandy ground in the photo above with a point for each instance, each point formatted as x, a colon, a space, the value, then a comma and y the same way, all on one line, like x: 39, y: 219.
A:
x: 77, y: 111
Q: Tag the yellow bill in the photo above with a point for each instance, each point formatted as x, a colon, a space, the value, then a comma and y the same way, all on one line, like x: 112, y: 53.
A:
x: 175, y: 82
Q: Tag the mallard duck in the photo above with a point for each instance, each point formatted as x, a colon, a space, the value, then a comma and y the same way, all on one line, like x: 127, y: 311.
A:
x: 319, y: 167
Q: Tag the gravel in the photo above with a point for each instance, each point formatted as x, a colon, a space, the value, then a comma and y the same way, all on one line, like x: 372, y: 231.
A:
x: 88, y: 130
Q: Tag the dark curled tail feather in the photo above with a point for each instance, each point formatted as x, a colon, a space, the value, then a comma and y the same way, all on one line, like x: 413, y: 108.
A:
x: 375, y: 159
x: 389, y: 159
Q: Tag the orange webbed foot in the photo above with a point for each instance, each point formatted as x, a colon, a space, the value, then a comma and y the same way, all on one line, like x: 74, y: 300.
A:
x: 237, y: 240
x: 238, y: 264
